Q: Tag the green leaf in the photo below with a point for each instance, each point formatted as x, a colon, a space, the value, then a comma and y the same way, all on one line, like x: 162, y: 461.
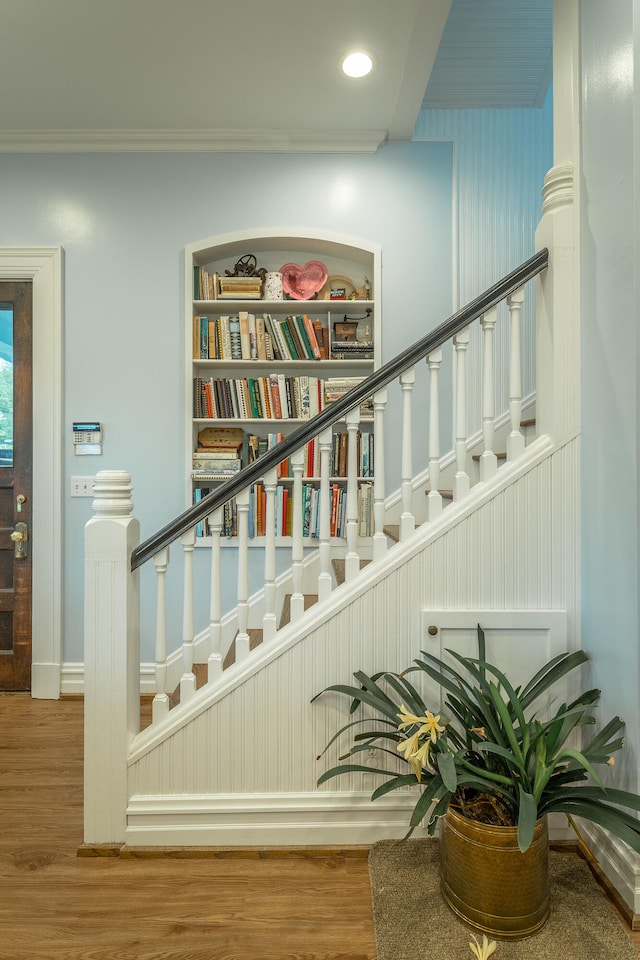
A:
x: 527, y: 816
x: 404, y: 780
x: 549, y: 674
x: 447, y: 769
x: 503, y: 712
x: 616, y: 821
x: 353, y: 768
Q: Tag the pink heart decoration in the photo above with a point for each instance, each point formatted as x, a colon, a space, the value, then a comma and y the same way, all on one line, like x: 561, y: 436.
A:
x: 302, y: 283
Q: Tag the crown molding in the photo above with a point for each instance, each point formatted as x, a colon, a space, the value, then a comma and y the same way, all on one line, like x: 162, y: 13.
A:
x: 191, y: 141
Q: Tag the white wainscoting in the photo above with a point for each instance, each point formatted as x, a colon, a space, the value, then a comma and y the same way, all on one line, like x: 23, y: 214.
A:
x: 510, y: 549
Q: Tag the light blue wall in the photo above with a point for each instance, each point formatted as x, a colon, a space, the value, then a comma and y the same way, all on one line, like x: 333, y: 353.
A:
x: 500, y: 161
x: 124, y: 221
x: 609, y: 358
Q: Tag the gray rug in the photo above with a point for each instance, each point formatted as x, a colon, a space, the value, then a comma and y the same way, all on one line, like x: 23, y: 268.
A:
x: 412, y: 921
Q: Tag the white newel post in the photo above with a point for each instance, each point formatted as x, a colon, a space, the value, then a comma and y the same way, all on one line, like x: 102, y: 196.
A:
x: 112, y: 656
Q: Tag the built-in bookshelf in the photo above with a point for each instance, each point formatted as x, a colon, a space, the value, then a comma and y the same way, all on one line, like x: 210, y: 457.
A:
x: 260, y: 363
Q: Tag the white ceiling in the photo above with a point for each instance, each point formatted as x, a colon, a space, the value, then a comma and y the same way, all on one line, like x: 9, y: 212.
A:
x: 122, y: 75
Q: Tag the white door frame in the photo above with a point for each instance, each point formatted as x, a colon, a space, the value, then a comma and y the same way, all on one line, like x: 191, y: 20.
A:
x: 43, y: 265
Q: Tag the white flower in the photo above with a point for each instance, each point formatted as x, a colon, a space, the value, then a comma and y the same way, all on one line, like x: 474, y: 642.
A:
x: 482, y: 952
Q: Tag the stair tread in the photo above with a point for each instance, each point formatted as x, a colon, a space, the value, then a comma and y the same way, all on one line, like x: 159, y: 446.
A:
x: 338, y: 569
x: 285, y: 616
x: 445, y: 494
x: 255, y: 639
x: 201, y: 672
x: 500, y: 456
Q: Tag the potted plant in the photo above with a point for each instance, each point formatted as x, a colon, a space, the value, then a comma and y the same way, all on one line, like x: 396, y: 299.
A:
x: 491, y: 765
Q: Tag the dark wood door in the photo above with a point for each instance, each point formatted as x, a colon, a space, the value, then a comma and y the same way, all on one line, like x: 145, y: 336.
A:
x: 16, y: 458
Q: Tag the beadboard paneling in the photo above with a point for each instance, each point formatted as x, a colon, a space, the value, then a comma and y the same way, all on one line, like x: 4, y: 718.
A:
x: 500, y: 161
x: 515, y: 551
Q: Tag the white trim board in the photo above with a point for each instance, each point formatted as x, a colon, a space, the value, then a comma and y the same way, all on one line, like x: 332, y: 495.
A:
x: 43, y: 265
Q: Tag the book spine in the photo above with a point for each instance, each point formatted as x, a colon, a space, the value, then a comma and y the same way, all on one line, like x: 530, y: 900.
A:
x: 304, y: 337
x: 245, y: 339
x: 276, y: 406
x: 299, y: 348
x: 288, y: 337
x: 234, y: 333
x: 261, y: 342
x: 305, y: 399
x: 311, y: 337
x: 282, y: 386
x: 278, y: 350
x: 204, y: 338
x: 253, y: 338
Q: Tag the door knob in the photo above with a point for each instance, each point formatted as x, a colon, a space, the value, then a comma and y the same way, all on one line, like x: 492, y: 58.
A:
x: 20, y: 537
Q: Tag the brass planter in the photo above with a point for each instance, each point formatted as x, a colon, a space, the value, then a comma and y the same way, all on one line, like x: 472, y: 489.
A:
x: 489, y: 883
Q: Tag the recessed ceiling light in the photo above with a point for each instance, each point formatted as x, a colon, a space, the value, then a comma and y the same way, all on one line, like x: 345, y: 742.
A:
x: 357, y: 64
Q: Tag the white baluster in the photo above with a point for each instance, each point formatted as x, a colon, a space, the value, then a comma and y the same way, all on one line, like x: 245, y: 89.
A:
x: 379, y: 536
x: 434, y: 497
x: 461, y: 479
x: 214, y: 670
x: 488, y: 458
x: 297, y: 597
x: 188, y: 680
x: 352, y: 559
x: 325, y: 582
x: 160, y: 706
x: 407, y: 519
x: 269, y: 624
x: 242, y: 636
x: 515, y: 440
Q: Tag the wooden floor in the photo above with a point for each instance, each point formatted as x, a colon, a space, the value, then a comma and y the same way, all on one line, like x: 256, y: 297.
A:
x: 55, y: 905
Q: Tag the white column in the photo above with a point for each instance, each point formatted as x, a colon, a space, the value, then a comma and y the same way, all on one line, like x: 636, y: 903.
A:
x: 187, y: 680
x: 407, y: 518
x: 461, y: 479
x: 325, y: 582
x: 297, y: 596
x: 352, y: 558
x: 558, y: 390
x: 112, y: 656
x: 214, y: 668
x: 160, y: 706
x: 434, y: 497
x: 269, y: 624
x: 515, y: 440
x: 488, y: 458
x: 379, y: 536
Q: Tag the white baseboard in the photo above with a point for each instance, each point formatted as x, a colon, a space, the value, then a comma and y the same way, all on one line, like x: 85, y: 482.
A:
x: 72, y: 679
x: 45, y: 681
x: 266, y: 819
x: 617, y: 861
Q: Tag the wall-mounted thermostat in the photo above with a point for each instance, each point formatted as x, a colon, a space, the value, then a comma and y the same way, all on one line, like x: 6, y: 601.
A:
x: 87, y: 438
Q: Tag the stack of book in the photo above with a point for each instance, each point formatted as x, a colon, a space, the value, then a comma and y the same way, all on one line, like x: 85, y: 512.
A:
x: 240, y: 288
x: 336, y: 387
x: 217, y: 455
x: 352, y: 350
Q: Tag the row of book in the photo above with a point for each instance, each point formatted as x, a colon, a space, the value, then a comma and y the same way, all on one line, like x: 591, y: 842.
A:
x: 210, y: 285
x: 283, y: 520
x: 226, y: 462
x: 248, y: 336
x: 273, y: 397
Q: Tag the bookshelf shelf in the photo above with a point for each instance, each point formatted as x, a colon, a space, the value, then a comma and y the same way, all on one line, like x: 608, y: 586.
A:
x: 229, y: 386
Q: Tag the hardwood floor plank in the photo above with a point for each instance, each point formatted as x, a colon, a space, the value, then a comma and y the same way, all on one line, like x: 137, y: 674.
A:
x: 55, y: 905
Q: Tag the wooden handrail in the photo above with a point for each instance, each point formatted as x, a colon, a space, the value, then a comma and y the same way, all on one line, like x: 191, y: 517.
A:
x: 337, y: 410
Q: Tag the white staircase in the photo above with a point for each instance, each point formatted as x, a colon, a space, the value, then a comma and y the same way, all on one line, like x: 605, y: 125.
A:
x: 234, y: 762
